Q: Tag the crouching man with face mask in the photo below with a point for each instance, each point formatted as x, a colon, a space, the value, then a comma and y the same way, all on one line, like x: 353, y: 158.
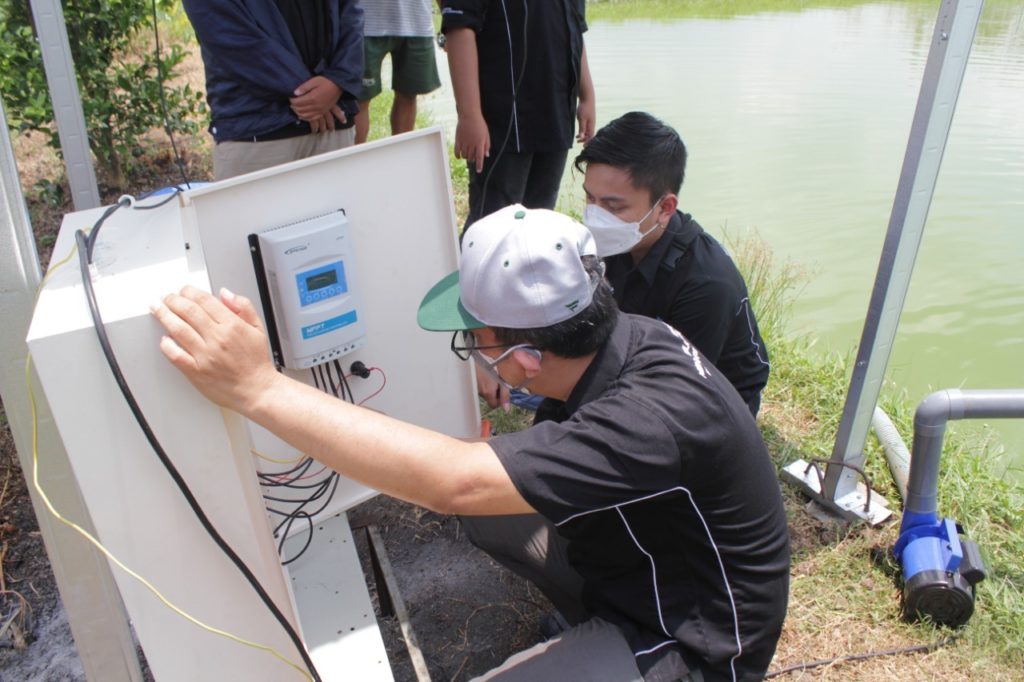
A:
x: 645, y: 506
x: 661, y: 263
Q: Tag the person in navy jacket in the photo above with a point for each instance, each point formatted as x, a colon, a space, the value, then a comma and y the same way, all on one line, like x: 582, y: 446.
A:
x: 283, y: 77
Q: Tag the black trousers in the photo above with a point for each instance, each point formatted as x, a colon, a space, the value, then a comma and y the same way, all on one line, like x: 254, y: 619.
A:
x: 593, y: 649
x: 528, y: 178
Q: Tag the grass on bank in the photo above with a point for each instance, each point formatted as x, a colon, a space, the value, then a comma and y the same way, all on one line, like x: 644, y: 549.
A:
x: 845, y: 592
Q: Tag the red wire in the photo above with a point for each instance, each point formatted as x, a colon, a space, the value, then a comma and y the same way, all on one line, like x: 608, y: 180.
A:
x: 285, y: 479
x: 372, y: 395
x: 375, y: 393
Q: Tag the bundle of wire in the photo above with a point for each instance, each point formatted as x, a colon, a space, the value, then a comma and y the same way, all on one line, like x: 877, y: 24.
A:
x: 316, y: 486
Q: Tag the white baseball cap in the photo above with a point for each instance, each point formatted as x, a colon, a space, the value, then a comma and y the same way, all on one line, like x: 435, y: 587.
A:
x: 520, y: 269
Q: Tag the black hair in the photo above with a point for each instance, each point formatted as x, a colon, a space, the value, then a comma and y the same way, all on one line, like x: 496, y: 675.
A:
x: 650, y: 151
x: 581, y: 334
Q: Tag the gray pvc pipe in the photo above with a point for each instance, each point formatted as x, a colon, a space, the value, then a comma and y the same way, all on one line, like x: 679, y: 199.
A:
x: 930, y: 426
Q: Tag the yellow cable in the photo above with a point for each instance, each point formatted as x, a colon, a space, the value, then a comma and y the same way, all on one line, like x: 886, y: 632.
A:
x: 55, y: 266
x: 96, y: 543
x: 276, y: 461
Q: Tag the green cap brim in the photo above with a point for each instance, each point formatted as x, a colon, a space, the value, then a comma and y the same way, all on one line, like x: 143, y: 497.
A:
x: 442, y: 311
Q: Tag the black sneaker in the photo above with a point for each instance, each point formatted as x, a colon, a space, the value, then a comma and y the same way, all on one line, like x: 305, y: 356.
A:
x: 552, y: 624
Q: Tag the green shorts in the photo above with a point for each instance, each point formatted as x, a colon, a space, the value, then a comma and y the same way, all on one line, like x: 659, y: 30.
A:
x: 413, y: 65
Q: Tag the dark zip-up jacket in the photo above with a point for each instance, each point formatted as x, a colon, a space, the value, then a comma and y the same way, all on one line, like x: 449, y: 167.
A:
x: 253, y: 64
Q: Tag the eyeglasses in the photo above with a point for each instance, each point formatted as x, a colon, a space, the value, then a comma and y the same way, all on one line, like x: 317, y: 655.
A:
x: 489, y: 365
x: 468, y: 348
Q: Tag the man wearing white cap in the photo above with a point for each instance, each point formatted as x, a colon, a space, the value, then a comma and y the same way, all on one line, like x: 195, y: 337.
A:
x: 643, y: 504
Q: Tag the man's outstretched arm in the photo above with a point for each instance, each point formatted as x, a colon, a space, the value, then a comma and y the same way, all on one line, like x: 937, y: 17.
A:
x: 221, y: 348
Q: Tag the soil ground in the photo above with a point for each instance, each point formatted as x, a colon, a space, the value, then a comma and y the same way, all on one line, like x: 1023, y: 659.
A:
x: 28, y: 591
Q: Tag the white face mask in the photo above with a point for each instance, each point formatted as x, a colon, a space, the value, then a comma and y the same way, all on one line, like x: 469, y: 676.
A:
x: 612, y: 234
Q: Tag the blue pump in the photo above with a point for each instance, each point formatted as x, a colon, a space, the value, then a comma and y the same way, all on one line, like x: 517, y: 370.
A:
x: 941, y: 567
x: 940, y: 570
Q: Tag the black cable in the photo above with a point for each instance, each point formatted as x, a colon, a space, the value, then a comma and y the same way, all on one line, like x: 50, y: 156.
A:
x: 323, y: 381
x: 512, y: 113
x: 299, y: 486
x: 344, y: 382
x: 175, y: 192
x: 335, y: 387
x: 293, y: 485
x: 333, y: 481
x: 163, y: 100
x: 305, y: 546
x: 926, y: 648
x: 323, y: 486
x: 84, y: 261
x: 89, y: 242
x: 330, y: 483
x: 125, y: 200
x: 273, y: 480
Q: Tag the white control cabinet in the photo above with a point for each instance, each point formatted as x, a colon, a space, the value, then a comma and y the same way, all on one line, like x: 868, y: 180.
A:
x: 400, y: 220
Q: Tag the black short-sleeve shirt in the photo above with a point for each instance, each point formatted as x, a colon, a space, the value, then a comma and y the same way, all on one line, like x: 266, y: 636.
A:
x: 702, y: 294
x: 656, y: 474
x: 529, y: 62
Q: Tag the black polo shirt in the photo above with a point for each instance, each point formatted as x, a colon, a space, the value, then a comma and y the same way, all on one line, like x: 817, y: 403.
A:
x: 549, y: 34
x: 656, y: 474
x: 310, y: 26
x: 702, y: 295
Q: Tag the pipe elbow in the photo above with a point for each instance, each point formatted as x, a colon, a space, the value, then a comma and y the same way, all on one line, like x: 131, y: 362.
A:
x: 936, y: 409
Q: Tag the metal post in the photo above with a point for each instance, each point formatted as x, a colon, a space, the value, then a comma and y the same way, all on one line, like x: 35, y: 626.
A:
x: 93, y: 604
x: 947, y: 59
x: 67, y: 103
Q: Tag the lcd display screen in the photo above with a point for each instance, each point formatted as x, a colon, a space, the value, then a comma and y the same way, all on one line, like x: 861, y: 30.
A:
x: 321, y: 280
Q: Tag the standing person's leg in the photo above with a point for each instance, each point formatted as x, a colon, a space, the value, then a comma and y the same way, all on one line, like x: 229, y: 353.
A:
x: 331, y: 140
x: 362, y: 126
x: 413, y: 73
x: 403, y: 113
x: 545, y: 179
x: 501, y: 182
x: 374, y: 50
x: 530, y: 546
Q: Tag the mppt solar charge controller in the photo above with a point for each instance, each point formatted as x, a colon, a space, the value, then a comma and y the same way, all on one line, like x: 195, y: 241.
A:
x: 305, y: 271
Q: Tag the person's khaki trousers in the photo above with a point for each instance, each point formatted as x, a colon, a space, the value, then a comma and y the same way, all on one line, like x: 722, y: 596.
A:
x: 237, y: 158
